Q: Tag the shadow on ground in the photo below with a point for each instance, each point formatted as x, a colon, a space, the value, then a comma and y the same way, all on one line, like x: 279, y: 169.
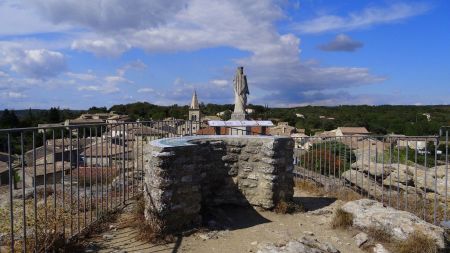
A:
x: 314, y: 203
x: 215, y: 219
x: 231, y: 217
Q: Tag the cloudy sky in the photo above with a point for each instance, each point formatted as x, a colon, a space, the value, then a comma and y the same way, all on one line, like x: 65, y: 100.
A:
x: 82, y: 53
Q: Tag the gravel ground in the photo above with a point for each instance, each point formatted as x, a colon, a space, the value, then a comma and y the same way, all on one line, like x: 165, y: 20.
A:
x: 236, y: 229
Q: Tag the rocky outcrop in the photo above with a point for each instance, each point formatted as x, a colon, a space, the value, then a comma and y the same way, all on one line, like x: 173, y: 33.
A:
x: 361, y: 238
x: 379, y: 248
x: 414, y: 178
x: 183, y: 175
x: 304, y: 244
x: 369, y: 214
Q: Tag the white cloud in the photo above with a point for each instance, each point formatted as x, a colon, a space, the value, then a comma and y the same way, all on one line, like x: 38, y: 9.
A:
x: 82, y: 76
x: 101, y: 47
x: 145, y: 90
x: 90, y: 88
x: 33, y: 63
x: 343, y: 43
x: 111, y: 15
x: 370, y: 16
x: 116, y: 79
x: 220, y: 83
x: 110, y: 28
x: 90, y: 82
x: 17, y: 19
x: 12, y: 95
x: 137, y: 64
x: 274, y: 62
x: 103, y: 88
x: 181, y: 93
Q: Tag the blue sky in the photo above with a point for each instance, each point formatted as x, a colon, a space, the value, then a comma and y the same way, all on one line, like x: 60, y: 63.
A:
x: 77, y: 54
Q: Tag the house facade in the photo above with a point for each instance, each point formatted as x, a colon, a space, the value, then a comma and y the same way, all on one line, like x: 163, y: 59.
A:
x: 349, y: 131
x: 282, y: 129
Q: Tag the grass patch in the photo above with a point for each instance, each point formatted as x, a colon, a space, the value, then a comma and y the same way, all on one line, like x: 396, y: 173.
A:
x: 379, y: 235
x: 309, y: 186
x: 346, y: 194
x: 342, y: 219
x: 341, y: 193
x: 148, y: 230
x: 285, y: 207
x: 417, y: 242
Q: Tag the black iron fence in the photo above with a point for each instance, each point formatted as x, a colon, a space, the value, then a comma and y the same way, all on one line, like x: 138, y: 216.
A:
x: 404, y: 172
x: 56, y: 182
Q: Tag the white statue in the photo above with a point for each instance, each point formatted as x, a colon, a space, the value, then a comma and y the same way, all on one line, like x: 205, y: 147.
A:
x: 240, y: 92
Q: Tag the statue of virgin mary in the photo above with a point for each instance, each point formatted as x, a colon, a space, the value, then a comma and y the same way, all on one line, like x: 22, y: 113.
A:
x: 240, y: 91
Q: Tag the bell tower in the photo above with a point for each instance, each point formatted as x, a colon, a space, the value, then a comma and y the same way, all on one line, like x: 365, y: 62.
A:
x: 194, y: 109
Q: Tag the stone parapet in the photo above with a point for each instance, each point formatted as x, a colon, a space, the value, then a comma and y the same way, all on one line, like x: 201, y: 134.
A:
x: 185, y: 175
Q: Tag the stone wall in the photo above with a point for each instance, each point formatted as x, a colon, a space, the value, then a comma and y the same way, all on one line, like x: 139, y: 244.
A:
x: 184, y: 175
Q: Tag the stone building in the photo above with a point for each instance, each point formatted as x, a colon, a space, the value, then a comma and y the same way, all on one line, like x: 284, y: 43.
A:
x: 349, y: 131
x: 106, y: 154
x: 48, y: 154
x: 403, y: 141
x: 46, y: 173
x: 282, y: 129
x: 97, y: 118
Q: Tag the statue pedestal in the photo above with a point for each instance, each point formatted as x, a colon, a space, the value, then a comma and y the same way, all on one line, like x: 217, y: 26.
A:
x: 238, y: 116
x: 239, y: 130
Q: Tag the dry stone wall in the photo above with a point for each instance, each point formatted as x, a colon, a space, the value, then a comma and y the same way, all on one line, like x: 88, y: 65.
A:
x: 185, y: 175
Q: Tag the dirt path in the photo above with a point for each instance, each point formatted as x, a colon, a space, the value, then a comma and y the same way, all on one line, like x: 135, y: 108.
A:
x: 243, y: 230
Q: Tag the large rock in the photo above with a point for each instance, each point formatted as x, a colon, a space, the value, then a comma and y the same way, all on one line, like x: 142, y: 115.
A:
x: 361, y: 238
x: 399, y: 224
x: 400, y: 173
x: 304, y: 244
x: 426, y: 179
x: 379, y: 248
x: 374, y: 169
x: 362, y: 181
x: 405, y: 177
x: 441, y: 171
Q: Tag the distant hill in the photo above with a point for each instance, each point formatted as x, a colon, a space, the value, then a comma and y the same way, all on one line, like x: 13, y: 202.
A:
x: 23, y: 113
x: 382, y: 119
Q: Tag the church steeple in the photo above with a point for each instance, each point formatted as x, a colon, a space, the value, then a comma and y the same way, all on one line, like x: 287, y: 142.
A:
x: 194, y: 109
x: 194, y: 102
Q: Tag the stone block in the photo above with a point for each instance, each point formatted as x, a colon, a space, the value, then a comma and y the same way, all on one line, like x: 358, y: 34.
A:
x: 180, y: 179
x: 230, y: 158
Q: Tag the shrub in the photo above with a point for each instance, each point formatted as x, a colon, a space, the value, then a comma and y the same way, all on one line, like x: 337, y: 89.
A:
x: 284, y: 207
x: 93, y: 175
x: 342, y: 219
x: 342, y: 193
x: 417, y: 242
x: 148, y: 230
x: 379, y: 235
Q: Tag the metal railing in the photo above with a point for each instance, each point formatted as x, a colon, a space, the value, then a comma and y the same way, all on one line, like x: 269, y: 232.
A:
x: 56, y: 182
x: 405, y: 172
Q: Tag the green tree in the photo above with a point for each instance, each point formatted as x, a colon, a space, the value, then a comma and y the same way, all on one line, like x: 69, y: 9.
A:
x: 54, y: 115
x: 95, y: 109
x: 9, y: 119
